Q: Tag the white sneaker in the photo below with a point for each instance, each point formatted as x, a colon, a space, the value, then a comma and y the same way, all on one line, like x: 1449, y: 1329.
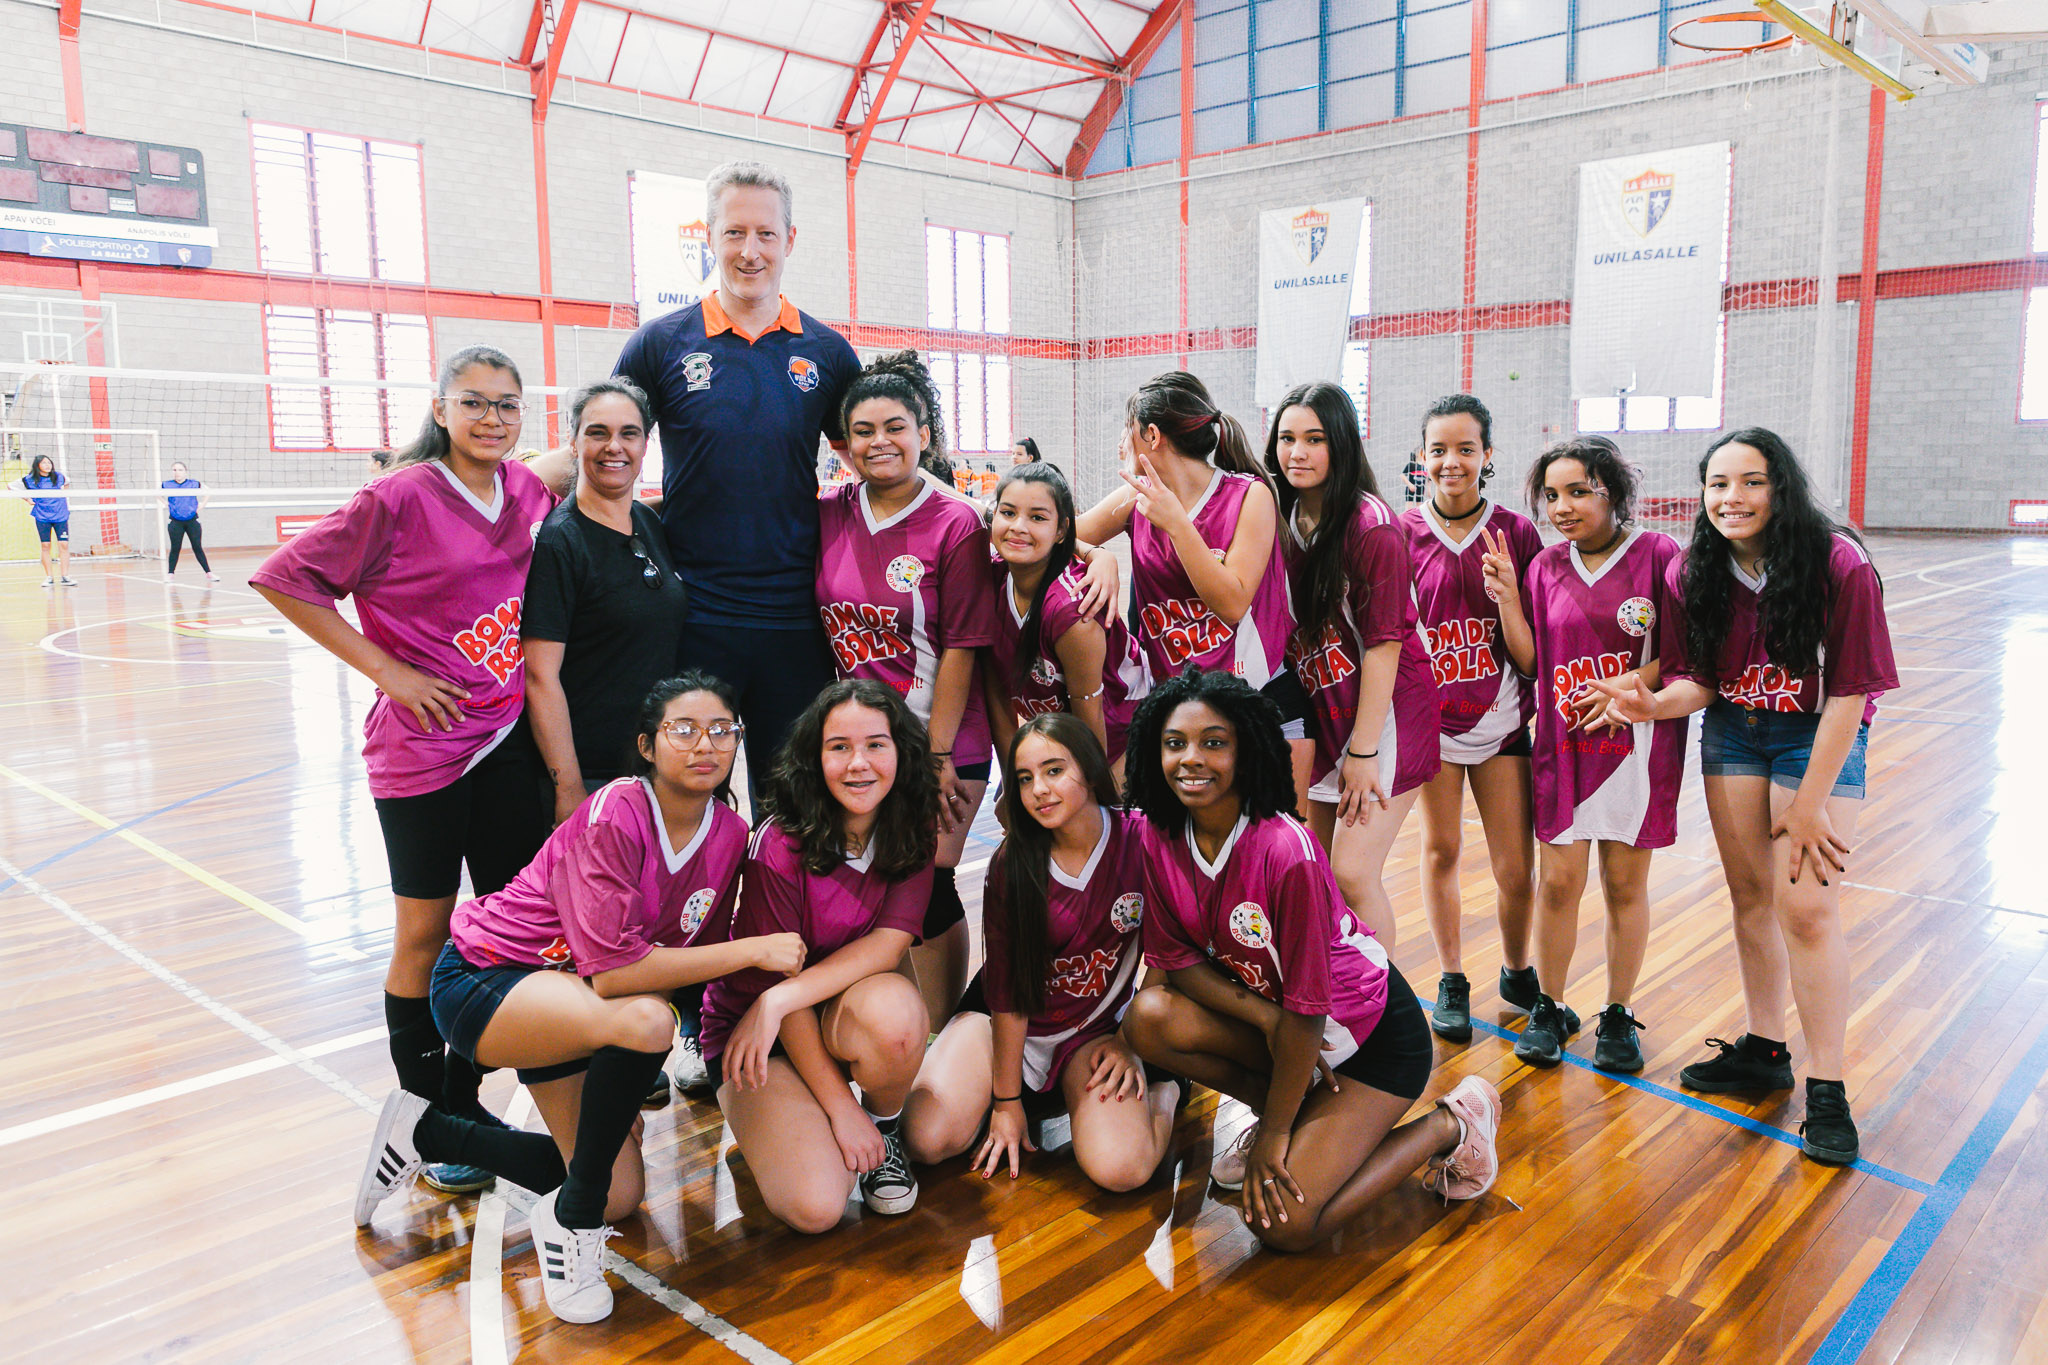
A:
x: 393, y: 1161
x: 688, y: 1064
x: 571, y: 1265
x: 68, y: 581
x: 49, y: 582
x: 890, y: 1187
x: 212, y: 577
x: 170, y: 578
x: 1228, y: 1167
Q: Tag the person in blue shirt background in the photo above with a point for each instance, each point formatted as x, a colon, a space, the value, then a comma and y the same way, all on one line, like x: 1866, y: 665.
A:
x: 52, y: 517
x: 743, y: 385
x: 185, y: 523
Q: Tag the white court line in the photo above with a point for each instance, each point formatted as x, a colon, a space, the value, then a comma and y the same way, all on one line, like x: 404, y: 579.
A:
x: 48, y: 644
x: 1967, y: 587
x: 195, y: 586
x: 693, y: 1312
x: 92, y: 1113
x: 487, y: 1259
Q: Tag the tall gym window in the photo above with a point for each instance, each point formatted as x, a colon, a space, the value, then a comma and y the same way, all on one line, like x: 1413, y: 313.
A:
x: 967, y: 291
x: 328, y: 204
x: 2034, y: 356
x: 335, y: 343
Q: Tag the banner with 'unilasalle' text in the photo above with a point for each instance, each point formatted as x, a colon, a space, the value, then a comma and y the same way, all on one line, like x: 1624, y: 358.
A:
x: 1646, y: 291
x: 1307, y: 258
x: 672, y: 262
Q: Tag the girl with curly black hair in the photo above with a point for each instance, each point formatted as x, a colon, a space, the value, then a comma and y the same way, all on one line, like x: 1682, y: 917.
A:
x: 843, y: 858
x: 1262, y: 980
x: 1783, y: 641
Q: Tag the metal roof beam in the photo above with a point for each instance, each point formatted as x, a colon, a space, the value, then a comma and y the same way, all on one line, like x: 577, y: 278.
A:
x: 530, y: 47
x: 858, y: 140
x: 1112, y: 97
x: 545, y: 75
x: 994, y: 106
x: 860, y: 69
x: 985, y: 39
x: 987, y: 101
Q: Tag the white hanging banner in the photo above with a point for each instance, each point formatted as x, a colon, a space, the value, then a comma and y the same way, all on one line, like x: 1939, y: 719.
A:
x: 1646, y: 291
x: 1306, y: 259
x: 672, y: 262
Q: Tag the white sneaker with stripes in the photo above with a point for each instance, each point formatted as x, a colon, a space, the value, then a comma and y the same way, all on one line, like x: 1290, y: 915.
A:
x: 571, y: 1265
x: 394, y: 1161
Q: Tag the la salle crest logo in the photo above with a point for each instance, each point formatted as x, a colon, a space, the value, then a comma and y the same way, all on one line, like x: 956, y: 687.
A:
x: 1645, y: 199
x: 693, y: 244
x: 1311, y: 230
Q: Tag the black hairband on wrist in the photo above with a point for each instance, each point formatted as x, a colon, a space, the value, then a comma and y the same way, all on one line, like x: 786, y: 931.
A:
x: 1350, y: 753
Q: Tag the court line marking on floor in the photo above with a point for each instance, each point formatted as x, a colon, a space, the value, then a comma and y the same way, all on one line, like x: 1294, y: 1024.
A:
x: 1729, y: 1116
x: 1965, y: 587
x: 191, y: 869
x: 1873, y: 1302
x: 142, y: 1099
x: 48, y: 644
x: 158, y: 690
x: 487, y: 1258
x: 227, y: 1014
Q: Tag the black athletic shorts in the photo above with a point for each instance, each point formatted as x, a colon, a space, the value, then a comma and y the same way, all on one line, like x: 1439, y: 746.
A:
x: 1286, y: 692
x: 1397, y: 1055
x: 495, y: 817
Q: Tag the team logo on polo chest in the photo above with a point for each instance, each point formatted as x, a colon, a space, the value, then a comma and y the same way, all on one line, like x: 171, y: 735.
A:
x: 1249, y: 925
x: 904, y: 573
x: 696, y: 908
x: 1128, y: 912
x: 803, y: 373
x: 697, y: 370
x: 1636, y: 616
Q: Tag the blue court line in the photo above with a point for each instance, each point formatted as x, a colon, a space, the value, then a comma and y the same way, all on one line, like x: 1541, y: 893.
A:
x: 86, y: 843
x: 1866, y: 1312
x: 1729, y: 1116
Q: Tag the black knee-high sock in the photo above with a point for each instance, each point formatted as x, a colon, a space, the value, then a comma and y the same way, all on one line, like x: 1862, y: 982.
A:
x: 416, y: 1045
x: 612, y: 1090
x: 528, y: 1159
x: 461, y: 1079
x: 944, y: 909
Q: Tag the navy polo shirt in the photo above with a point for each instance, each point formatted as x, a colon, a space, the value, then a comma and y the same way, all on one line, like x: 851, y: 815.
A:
x: 739, y: 423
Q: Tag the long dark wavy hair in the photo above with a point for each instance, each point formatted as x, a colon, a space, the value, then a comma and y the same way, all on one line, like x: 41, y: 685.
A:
x: 1048, y: 477
x: 1025, y: 859
x: 903, y: 376
x: 639, y: 763
x: 1604, y: 465
x: 1180, y: 406
x: 906, y: 824
x: 1798, y: 541
x: 1265, y: 773
x: 1318, y: 586
x: 432, y: 443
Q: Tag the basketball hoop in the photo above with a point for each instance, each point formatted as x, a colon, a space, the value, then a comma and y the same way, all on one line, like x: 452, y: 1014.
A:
x: 1747, y: 16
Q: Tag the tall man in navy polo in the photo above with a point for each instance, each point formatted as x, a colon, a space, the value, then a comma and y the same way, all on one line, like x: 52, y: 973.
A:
x: 743, y: 386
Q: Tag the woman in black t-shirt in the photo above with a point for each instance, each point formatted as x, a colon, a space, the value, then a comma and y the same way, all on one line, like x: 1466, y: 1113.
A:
x: 602, y: 602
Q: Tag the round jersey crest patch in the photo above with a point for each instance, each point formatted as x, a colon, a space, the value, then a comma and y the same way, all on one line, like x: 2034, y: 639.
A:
x: 1044, y: 672
x: 1249, y: 926
x: 1636, y: 616
x: 696, y: 908
x: 904, y: 573
x: 1128, y: 912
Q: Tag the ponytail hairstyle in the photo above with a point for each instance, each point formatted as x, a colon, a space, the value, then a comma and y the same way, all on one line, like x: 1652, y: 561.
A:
x: 1798, y: 543
x: 638, y: 763
x: 1180, y: 406
x: 432, y: 442
x: 1048, y: 477
x: 1024, y: 861
x: 902, y: 375
x: 795, y: 796
x: 1317, y: 590
x: 1604, y: 465
x: 1030, y: 448
x: 1463, y: 404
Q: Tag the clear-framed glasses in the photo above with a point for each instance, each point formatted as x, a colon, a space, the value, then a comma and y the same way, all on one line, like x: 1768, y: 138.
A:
x: 476, y: 407
x: 650, y: 572
x: 684, y: 734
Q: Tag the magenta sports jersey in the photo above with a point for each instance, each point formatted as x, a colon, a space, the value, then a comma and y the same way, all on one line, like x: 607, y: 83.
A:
x: 1618, y: 785
x: 1043, y: 688
x: 778, y: 896
x: 1856, y: 656
x: 895, y: 594
x: 1379, y: 606
x: 1267, y: 910
x: 1483, y: 701
x: 438, y: 584
x: 1176, y: 627
x: 1093, y: 924
x: 608, y: 887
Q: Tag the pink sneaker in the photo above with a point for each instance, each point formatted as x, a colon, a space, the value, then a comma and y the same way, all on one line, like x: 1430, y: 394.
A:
x: 1472, y: 1165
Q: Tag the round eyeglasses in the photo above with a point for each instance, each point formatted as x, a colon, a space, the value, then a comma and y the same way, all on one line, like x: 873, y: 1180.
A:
x: 723, y: 734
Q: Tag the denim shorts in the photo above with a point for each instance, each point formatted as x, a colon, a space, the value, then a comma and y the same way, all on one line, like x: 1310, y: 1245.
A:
x: 463, y: 998
x: 1738, y: 741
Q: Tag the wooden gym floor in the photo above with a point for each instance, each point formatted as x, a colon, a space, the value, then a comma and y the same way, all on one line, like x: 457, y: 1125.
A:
x: 194, y: 915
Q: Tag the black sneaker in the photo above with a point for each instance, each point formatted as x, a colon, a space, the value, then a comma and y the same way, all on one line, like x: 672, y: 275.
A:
x: 658, y: 1094
x: 1452, y: 1017
x: 1615, y: 1047
x: 1518, y: 988
x: 1740, y: 1068
x: 890, y: 1187
x: 1828, y: 1133
x: 1543, y: 1038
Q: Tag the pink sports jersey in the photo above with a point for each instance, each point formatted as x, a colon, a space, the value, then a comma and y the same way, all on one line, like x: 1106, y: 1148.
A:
x: 1619, y: 785
x: 1483, y: 700
x: 1092, y: 930
x: 1043, y: 687
x: 896, y: 593
x: 1176, y: 627
x: 1269, y: 911
x: 607, y: 887
x: 438, y: 585
x: 779, y: 896
x: 1856, y: 656
x: 1379, y: 606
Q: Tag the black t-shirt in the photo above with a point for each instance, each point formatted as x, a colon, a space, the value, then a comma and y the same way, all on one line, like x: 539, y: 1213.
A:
x: 588, y: 590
